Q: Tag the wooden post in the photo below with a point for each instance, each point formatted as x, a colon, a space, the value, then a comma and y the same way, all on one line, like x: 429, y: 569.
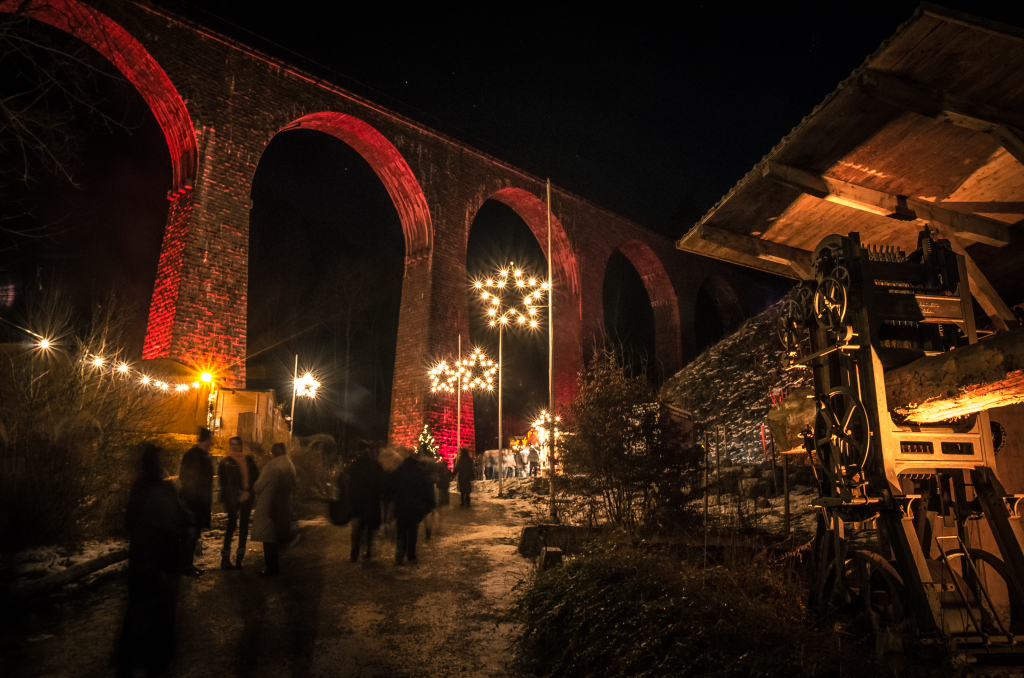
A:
x: 718, y: 467
x: 785, y: 493
x: 775, y: 467
x: 706, y: 465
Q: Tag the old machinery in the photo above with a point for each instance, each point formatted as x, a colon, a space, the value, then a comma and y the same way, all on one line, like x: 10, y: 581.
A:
x: 949, y: 566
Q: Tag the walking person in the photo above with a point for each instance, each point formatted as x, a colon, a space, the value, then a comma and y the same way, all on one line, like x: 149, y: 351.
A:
x: 464, y: 476
x: 364, y: 483
x: 156, y: 522
x: 195, y: 487
x: 413, y: 496
x: 272, y: 520
x: 534, y: 460
x: 237, y: 473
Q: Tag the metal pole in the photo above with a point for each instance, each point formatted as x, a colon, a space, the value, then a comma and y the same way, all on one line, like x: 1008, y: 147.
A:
x: 785, y: 493
x: 295, y: 380
x: 501, y: 450
x: 458, y: 426
x: 551, y: 369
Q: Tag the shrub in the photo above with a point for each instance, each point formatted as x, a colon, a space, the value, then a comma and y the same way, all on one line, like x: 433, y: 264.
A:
x: 625, y: 612
x: 626, y: 449
x: 67, y: 428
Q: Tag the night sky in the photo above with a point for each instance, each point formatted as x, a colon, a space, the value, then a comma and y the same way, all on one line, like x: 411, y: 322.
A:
x: 654, y: 116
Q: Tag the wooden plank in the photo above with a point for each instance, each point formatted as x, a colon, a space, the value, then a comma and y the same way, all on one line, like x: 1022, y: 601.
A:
x: 970, y: 226
x: 989, y: 300
x: 1002, y: 124
x: 692, y: 243
x: 797, y: 259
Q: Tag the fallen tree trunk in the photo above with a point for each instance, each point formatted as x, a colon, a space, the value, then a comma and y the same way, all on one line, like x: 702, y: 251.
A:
x: 69, y: 575
x: 965, y: 380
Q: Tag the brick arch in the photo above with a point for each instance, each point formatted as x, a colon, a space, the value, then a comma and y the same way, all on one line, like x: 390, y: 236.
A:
x: 668, y: 338
x: 726, y: 302
x: 390, y: 167
x: 534, y: 212
x: 138, y: 66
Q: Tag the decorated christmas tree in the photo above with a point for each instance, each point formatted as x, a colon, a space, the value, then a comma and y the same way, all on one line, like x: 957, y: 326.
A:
x: 426, y: 442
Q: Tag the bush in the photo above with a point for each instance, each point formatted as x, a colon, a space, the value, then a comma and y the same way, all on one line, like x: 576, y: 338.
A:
x: 67, y: 429
x: 627, y: 450
x: 625, y: 612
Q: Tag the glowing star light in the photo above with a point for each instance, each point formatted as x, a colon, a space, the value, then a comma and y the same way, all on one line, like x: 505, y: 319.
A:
x: 501, y: 295
x: 307, y: 385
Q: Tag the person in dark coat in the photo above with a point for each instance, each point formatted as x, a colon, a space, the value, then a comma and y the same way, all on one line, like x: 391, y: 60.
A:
x: 364, y: 483
x: 156, y: 522
x: 237, y: 474
x: 413, y: 495
x: 464, y: 473
x: 195, y: 487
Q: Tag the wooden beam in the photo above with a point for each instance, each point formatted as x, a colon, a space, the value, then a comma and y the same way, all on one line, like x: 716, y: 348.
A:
x: 1002, y: 124
x: 797, y: 259
x: 989, y: 300
x: 969, y: 226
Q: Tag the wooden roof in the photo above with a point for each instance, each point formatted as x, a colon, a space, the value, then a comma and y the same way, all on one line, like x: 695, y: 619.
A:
x: 927, y: 131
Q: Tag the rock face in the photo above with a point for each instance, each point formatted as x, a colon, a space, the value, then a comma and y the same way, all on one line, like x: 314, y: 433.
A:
x: 730, y: 385
x: 978, y: 377
x: 790, y: 418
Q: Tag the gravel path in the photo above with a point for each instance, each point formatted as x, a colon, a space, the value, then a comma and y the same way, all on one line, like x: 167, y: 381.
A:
x: 325, y: 616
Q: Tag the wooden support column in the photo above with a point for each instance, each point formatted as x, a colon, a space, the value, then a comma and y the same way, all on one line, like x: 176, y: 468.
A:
x: 993, y: 305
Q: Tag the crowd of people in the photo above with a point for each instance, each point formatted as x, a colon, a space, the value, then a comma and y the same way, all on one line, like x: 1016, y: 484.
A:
x: 165, y: 522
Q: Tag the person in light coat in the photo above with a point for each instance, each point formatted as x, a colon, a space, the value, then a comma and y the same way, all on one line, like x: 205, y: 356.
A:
x: 272, y: 518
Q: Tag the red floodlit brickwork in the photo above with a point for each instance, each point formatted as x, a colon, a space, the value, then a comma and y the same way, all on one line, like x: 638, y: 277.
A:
x: 238, y: 99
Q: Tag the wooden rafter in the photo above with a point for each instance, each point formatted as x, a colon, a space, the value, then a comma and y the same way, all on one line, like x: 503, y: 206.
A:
x: 1005, y: 126
x: 797, y: 259
x: 968, y: 226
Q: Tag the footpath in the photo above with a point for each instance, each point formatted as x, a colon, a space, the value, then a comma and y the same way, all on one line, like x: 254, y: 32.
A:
x: 325, y: 616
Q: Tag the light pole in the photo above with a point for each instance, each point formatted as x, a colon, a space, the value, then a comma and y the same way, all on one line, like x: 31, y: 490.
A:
x: 306, y: 386
x: 551, y: 366
x: 474, y: 373
x: 500, y: 295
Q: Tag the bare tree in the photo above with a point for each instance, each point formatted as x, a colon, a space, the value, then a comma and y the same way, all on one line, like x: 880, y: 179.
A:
x: 54, y: 89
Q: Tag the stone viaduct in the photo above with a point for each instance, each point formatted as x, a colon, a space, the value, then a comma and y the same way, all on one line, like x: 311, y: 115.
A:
x: 219, y: 103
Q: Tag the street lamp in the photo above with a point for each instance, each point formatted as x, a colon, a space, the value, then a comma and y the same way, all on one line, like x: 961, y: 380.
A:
x: 500, y: 295
x: 305, y: 386
x: 472, y: 373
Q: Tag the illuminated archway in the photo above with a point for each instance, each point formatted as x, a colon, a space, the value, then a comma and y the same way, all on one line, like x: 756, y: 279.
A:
x: 389, y: 165
x: 138, y: 66
x: 664, y: 303
x: 534, y: 212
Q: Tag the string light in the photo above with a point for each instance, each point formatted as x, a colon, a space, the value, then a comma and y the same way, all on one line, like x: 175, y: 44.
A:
x: 124, y: 369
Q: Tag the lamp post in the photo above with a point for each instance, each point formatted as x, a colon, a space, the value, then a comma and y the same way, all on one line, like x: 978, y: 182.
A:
x: 500, y: 295
x: 473, y: 373
x: 305, y: 386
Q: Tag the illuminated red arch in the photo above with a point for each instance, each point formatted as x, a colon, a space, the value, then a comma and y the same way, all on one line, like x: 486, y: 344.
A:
x: 390, y: 166
x: 534, y: 212
x: 128, y: 56
x: 668, y: 339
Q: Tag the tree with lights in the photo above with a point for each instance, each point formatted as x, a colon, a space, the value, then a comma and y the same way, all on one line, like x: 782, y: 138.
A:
x: 426, y: 443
